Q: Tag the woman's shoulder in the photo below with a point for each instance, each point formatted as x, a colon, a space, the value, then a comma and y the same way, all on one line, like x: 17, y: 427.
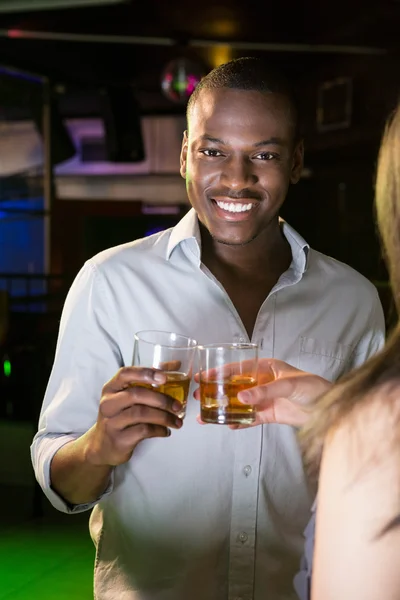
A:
x: 358, y: 501
x: 361, y: 459
x: 371, y: 427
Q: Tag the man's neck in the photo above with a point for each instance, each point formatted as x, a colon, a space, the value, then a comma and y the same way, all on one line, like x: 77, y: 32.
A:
x: 268, y: 254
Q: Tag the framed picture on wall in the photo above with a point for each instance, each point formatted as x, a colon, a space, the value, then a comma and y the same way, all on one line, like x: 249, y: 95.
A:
x: 335, y: 104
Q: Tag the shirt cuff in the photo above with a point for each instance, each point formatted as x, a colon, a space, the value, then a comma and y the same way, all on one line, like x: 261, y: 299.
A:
x: 43, y: 451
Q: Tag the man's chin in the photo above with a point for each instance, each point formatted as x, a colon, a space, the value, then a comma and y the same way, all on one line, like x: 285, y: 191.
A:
x: 228, y: 236
x: 233, y: 241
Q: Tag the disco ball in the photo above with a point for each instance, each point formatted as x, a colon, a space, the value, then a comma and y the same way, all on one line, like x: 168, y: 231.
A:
x: 180, y: 78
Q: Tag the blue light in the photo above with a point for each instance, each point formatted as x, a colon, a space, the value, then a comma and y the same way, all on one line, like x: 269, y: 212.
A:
x: 22, y: 240
x: 155, y: 230
x: 19, y: 75
x: 27, y: 204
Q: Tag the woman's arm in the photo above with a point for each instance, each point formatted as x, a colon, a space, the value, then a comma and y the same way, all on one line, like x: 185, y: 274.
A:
x: 359, y: 495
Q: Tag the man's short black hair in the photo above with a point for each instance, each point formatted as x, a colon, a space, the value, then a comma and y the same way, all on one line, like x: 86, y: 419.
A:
x: 249, y: 74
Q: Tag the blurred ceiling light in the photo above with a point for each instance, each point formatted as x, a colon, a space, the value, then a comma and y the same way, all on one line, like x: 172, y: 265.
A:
x: 223, y: 27
x: 220, y: 54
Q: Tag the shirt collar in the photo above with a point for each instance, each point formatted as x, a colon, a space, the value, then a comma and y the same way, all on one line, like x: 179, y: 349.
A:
x: 300, y: 248
x: 188, y: 229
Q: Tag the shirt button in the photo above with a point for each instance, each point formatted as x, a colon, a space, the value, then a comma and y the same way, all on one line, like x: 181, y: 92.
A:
x: 243, y: 537
x: 247, y: 470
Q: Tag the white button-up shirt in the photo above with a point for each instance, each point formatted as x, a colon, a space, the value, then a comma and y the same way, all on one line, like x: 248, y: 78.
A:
x: 208, y: 513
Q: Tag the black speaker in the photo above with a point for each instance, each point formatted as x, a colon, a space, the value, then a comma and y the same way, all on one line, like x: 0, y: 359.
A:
x: 63, y: 147
x: 123, y: 131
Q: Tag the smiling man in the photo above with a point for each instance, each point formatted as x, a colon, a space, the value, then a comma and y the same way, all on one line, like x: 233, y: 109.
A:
x: 184, y: 511
x: 239, y: 155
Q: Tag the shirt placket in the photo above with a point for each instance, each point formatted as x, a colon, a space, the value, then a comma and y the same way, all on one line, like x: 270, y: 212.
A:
x: 244, y: 513
x: 248, y: 446
x: 247, y: 459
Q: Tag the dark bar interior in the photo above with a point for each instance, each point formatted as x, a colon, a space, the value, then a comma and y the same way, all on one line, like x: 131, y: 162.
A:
x: 92, y: 112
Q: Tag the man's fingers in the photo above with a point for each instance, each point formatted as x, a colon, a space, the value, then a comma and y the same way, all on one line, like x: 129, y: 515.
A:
x: 131, y: 436
x: 112, y: 404
x: 171, y: 365
x: 127, y: 376
x: 139, y: 413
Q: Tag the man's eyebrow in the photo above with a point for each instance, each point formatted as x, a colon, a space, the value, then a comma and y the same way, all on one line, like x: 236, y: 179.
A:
x: 273, y: 141
x: 209, y: 138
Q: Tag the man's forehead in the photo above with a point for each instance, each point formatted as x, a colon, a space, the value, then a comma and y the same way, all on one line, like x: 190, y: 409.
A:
x: 208, y: 102
x: 238, y: 107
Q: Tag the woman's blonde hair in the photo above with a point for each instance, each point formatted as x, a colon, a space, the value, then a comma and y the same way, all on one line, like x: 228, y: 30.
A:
x: 384, y: 368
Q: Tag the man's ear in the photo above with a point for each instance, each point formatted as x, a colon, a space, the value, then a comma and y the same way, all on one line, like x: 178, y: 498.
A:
x: 184, y: 150
x: 297, y: 162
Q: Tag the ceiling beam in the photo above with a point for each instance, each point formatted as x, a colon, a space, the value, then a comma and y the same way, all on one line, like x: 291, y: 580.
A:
x: 195, y: 43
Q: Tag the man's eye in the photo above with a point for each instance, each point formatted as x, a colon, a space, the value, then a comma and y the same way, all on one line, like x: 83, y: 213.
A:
x: 211, y: 152
x: 267, y: 156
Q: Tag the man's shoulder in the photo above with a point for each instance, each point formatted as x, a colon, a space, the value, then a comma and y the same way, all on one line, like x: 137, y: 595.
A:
x: 331, y: 272
x: 153, y: 246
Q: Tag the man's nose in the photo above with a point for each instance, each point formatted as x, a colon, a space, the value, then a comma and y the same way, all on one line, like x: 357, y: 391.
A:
x: 239, y: 173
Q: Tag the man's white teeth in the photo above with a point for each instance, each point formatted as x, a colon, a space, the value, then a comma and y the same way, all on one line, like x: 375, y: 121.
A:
x: 235, y: 206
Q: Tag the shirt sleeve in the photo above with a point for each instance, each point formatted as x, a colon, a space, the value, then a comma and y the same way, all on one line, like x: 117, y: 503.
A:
x: 373, y: 337
x: 87, y: 356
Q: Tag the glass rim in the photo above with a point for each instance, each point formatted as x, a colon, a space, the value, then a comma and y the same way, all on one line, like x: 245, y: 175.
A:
x: 192, y: 343
x: 229, y: 346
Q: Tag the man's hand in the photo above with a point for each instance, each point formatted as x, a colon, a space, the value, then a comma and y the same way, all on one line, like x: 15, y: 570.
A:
x: 283, y: 394
x: 128, y: 414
